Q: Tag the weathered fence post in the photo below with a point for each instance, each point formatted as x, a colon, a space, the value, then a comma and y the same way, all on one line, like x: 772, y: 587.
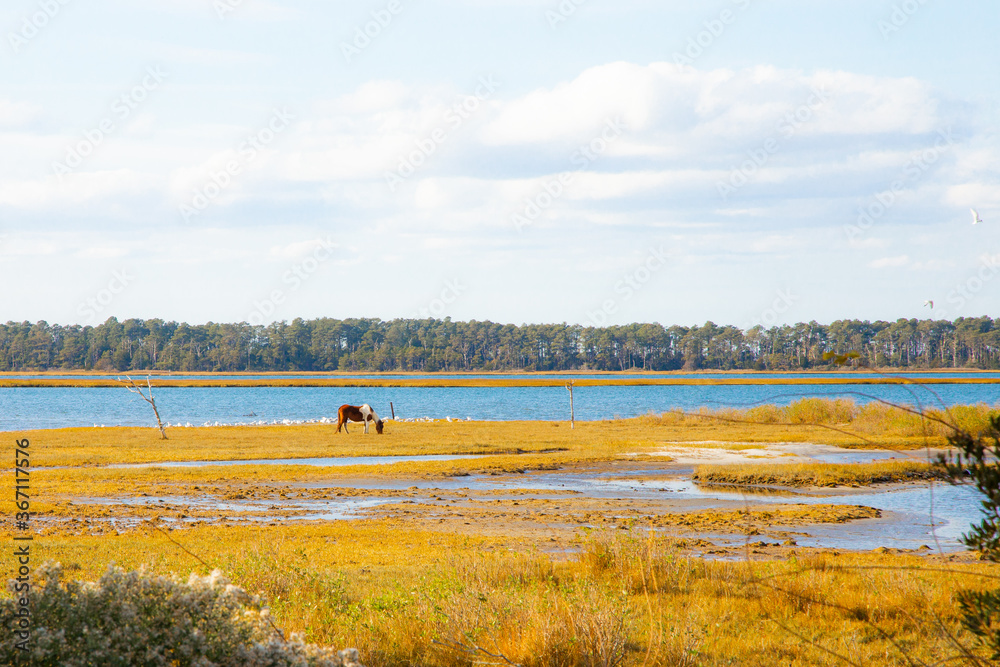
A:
x: 572, y: 417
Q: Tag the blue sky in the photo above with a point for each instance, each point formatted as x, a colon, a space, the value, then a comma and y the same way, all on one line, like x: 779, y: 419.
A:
x: 515, y: 160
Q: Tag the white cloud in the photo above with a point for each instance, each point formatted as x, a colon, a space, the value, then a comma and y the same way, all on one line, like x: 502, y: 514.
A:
x: 984, y: 197
x: 28, y: 245
x: 686, y: 131
x: 251, y: 10
x: 576, y: 109
x: 49, y: 194
x: 263, y: 11
x: 674, y: 104
x: 890, y: 262
x: 933, y: 265
x: 101, y: 252
x: 371, y: 97
x: 13, y: 114
x: 192, y: 55
x: 862, y: 104
x: 295, y: 250
x: 872, y: 243
x: 776, y: 243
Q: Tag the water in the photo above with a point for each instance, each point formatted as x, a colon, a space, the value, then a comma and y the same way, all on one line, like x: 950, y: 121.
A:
x: 944, y: 374
x: 852, y: 456
x: 912, y: 515
x: 59, y: 407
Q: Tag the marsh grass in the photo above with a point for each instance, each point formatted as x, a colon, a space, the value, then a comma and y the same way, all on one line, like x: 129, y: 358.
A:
x: 830, y: 421
x: 816, y: 474
x: 192, y: 481
x: 752, y: 521
x: 408, y: 596
x: 128, y: 445
x: 504, y: 448
x: 405, y: 597
x: 864, y: 424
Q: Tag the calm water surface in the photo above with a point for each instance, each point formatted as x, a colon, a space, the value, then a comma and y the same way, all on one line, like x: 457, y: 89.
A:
x: 57, y: 407
x: 528, y: 376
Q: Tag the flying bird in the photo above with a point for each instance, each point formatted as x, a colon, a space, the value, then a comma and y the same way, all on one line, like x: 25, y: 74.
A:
x: 975, y: 216
x: 929, y: 303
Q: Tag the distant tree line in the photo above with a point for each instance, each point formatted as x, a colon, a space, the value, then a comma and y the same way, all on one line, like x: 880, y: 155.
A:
x: 443, y: 345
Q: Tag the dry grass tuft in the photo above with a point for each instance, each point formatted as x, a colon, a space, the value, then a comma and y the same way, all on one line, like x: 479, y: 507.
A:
x: 816, y: 474
x: 752, y: 521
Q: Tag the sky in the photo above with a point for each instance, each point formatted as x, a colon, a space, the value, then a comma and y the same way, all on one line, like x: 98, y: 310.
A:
x: 525, y: 161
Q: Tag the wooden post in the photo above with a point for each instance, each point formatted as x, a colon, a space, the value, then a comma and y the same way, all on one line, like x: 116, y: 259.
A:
x: 572, y: 417
x: 393, y: 410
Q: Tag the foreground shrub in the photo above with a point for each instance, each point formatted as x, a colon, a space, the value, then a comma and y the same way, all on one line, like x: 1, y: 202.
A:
x: 135, y: 618
x: 978, y: 458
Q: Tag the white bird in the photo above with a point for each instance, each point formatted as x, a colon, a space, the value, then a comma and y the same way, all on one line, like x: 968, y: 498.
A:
x: 929, y: 303
x: 975, y: 216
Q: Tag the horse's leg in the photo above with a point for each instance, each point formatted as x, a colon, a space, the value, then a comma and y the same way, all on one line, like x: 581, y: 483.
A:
x: 366, y: 425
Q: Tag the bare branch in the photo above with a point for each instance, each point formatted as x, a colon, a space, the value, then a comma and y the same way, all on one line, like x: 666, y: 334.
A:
x: 131, y: 385
x: 152, y: 524
x: 473, y: 650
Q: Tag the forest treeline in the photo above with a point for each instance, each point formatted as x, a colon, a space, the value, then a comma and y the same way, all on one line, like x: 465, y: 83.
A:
x: 443, y: 345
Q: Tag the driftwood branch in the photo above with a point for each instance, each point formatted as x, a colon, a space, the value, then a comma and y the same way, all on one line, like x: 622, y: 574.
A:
x: 131, y: 385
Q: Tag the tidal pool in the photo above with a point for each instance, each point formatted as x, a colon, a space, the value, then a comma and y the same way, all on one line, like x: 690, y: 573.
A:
x: 913, y: 514
x: 917, y: 514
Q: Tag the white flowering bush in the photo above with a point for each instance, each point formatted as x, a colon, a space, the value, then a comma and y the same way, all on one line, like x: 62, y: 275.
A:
x: 133, y: 618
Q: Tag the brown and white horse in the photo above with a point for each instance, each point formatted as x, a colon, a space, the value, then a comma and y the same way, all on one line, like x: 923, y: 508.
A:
x: 358, y: 413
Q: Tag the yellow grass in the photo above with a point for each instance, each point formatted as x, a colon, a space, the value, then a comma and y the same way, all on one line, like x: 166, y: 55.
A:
x: 816, y: 474
x: 870, y: 424
x: 753, y: 521
x: 405, y: 596
x: 125, y: 445
x: 505, y: 447
x: 121, y: 482
x: 836, y: 422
